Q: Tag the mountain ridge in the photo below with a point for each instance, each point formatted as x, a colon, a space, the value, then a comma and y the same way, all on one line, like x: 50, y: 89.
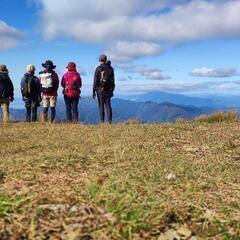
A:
x: 124, y: 110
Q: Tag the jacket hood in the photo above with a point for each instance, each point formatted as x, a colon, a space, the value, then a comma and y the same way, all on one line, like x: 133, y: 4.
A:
x: 28, y: 74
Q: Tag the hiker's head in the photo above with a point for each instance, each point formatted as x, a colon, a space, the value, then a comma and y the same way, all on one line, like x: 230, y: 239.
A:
x: 48, y: 65
x: 102, y: 58
x: 109, y: 63
x: 71, y: 66
x: 3, y: 68
x: 30, y: 68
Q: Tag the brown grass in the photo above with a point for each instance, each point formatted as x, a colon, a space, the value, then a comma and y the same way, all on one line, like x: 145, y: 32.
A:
x: 219, y: 117
x: 115, y: 182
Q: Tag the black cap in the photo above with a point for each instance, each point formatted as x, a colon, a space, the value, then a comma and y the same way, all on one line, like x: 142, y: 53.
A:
x: 103, y: 58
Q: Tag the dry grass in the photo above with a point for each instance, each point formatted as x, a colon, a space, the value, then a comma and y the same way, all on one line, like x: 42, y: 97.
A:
x: 219, y: 117
x: 120, y: 182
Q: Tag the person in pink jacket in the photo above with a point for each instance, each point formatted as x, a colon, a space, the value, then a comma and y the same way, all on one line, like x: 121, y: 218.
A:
x: 71, y: 83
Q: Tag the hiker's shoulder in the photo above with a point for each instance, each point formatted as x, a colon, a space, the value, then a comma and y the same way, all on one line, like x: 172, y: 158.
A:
x: 55, y: 75
x: 99, y: 67
x: 42, y: 72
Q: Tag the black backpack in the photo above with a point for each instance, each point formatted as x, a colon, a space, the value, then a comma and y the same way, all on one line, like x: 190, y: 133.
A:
x: 106, y: 77
x: 3, y: 86
x: 29, y: 87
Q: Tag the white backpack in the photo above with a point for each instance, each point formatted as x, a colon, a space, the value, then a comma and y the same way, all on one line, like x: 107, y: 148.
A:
x: 46, y: 82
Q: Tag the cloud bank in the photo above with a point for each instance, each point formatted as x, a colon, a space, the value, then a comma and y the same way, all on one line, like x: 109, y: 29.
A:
x: 145, y: 71
x: 182, y: 88
x: 9, y: 37
x: 151, y: 23
x: 217, y: 73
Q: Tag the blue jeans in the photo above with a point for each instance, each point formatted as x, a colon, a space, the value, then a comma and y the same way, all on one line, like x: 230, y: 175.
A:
x: 72, y: 108
x: 31, y: 110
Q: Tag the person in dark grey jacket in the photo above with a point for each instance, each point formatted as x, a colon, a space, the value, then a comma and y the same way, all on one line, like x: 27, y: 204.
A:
x: 103, y: 86
x: 6, y: 92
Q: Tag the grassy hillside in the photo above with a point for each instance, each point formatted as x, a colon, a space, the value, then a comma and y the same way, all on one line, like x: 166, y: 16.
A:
x: 170, y: 181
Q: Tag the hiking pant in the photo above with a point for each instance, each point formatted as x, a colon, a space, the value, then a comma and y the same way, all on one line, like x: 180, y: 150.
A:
x: 31, y: 110
x: 45, y: 114
x: 104, y: 100
x: 72, y: 108
x: 4, y: 104
x: 49, y: 101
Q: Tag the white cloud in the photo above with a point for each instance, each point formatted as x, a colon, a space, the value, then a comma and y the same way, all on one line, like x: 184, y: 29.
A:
x: 145, y: 71
x: 129, y: 22
x: 218, y: 72
x: 9, y: 36
x: 157, y: 75
x: 124, y: 51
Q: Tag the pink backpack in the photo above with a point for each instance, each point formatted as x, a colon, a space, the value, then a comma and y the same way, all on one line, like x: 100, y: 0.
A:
x: 73, y: 82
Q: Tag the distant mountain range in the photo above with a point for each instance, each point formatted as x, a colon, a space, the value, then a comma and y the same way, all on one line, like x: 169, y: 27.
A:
x: 123, y: 110
x: 150, y: 107
x: 179, y: 99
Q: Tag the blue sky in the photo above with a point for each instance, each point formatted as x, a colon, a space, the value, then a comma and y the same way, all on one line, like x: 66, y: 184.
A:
x: 188, y: 47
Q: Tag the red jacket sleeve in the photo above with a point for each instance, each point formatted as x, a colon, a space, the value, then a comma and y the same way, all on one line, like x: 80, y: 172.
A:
x: 63, y: 82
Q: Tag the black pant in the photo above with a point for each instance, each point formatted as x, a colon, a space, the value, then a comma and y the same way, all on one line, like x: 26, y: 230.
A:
x: 72, y: 108
x: 104, y: 100
x: 31, y: 110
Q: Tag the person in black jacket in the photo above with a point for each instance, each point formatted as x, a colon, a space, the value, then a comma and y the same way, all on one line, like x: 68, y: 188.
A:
x: 103, y: 86
x: 6, y: 92
x: 31, y: 93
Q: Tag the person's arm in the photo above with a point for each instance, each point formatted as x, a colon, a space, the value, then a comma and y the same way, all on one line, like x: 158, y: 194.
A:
x: 113, y: 87
x: 39, y: 89
x: 22, y: 83
x: 56, y: 81
x: 95, y: 82
x: 11, y: 90
x: 96, y: 79
x: 63, y: 82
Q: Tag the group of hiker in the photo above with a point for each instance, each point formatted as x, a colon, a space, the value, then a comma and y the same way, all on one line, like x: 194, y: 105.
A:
x: 44, y: 88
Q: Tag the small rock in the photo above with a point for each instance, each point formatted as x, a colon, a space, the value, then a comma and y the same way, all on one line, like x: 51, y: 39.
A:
x: 171, y: 177
x: 190, y: 149
x: 184, y: 232
x: 74, y: 209
x: 55, y: 207
x: 193, y: 238
x: 171, y: 234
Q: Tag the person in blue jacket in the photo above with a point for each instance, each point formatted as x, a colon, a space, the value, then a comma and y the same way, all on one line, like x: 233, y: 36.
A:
x: 31, y: 93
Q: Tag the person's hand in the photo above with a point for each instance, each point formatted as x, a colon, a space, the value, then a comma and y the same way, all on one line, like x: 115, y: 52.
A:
x: 94, y: 95
x: 11, y: 99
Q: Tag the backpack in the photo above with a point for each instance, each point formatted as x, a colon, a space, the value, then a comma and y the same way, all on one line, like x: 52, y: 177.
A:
x: 106, y: 80
x: 71, y: 89
x: 30, y: 87
x: 3, y: 86
x: 47, y: 80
